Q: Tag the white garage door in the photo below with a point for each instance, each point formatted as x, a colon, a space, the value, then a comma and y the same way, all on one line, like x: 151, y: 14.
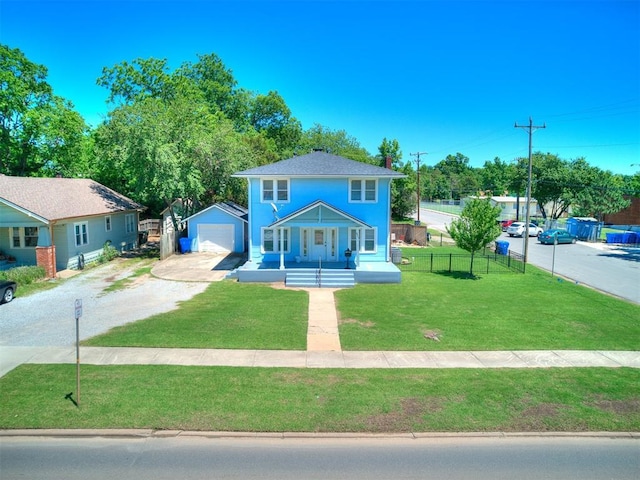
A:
x: 215, y: 238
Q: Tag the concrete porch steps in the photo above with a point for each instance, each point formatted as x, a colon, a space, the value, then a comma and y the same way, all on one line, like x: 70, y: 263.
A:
x: 309, y: 278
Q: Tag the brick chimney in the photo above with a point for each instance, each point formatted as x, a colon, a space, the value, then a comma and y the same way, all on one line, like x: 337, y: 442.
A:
x: 388, y: 162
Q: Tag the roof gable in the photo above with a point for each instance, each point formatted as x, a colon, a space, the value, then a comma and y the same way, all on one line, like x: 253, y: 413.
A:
x: 53, y: 199
x: 228, y: 207
x: 319, y: 164
x: 320, y: 212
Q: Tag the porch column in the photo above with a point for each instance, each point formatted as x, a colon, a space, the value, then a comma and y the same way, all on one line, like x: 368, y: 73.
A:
x: 281, y: 242
x: 356, y: 260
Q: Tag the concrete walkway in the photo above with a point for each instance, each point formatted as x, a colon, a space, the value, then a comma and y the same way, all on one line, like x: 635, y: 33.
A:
x: 322, y: 332
x: 317, y: 359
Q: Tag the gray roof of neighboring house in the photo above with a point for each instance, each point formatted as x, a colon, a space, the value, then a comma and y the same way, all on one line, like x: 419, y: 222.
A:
x: 59, y: 198
x: 319, y: 164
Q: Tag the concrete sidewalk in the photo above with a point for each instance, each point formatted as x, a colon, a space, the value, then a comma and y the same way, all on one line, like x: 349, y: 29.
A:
x: 10, y: 357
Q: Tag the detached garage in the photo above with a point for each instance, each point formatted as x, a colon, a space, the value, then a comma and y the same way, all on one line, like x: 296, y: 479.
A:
x: 220, y: 228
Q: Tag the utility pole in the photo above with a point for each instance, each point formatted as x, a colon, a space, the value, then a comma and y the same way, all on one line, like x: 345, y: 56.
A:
x: 531, y: 128
x: 417, y: 155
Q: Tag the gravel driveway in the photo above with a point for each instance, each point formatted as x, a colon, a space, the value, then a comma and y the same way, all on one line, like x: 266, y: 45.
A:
x: 48, y: 318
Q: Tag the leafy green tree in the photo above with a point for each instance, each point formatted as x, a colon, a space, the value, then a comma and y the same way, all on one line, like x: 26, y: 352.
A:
x: 552, y: 185
x: 461, y: 177
x: 494, y: 177
x: 41, y: 134
x: 602, y: 192
x: 337, y: 142
x: 156, y: 151
x: 403, y: 190
x: 476, y: 227
x: 270, y: 115
x: 142, y: 78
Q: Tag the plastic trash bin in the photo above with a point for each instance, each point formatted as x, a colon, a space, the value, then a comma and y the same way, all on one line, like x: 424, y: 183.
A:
x: 185, y: 245
x: 502, y: 247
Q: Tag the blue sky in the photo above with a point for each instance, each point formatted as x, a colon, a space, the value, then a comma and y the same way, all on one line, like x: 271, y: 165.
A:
x: 439, y: 76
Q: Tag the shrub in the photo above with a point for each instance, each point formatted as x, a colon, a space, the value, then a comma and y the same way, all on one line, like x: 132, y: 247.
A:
x: 109, y: 252
x: 23, y: 275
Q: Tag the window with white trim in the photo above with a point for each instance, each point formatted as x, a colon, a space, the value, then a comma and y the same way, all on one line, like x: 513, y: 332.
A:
x: 275, y: 190
x: 365, y: 237
x: 81, y: 232
x: 363, y: 190
x: 107, y: 223
x: 24, y: 237
x: 130, y: 223
x: 271, y: 240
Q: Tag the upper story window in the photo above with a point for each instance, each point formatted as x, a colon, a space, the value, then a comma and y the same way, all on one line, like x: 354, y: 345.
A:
x: 107, y: 223
x: 363, y: 190
x: 275, y: 190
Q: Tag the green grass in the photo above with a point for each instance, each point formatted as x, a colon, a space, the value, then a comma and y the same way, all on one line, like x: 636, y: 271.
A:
x: 226, y: 315
x: 317, y: 400
x: 491, y: 312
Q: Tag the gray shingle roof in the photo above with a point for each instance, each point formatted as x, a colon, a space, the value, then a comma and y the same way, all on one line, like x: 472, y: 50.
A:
x: 319, y: 164
x: 59, y: 198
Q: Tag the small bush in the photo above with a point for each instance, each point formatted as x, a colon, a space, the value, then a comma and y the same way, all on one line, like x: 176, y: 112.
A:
x: 109, y: 252
x: 23, y: 275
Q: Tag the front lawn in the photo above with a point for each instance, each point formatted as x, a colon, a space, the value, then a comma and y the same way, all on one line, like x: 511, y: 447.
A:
x: 226, y: 315
x: 507, y: 311
x: 322, y: 400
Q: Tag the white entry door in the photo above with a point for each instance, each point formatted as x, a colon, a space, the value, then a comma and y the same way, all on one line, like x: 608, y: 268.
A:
x: 323, y: 244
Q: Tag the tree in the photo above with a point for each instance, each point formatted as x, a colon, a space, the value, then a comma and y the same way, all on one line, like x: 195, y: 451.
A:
x: 462, y: 178
x: 336, y: 142
x: 476, y: 227
x: 494, y: 177
x: 403, y: 190
x: 41, y: 134
x: 270, y: 115
x: 155, y: 151
x: 602, y: 192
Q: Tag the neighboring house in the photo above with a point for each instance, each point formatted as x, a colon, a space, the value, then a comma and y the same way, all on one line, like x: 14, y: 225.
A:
x: 512, y: 207
x: 60, y: 223
x: 319, y: 211
x: 220, y: 228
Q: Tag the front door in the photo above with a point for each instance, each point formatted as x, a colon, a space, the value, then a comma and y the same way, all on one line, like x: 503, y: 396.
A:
x: 322, y: 244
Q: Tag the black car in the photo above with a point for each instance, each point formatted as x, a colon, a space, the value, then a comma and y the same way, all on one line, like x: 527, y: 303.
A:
x: 7, y: 290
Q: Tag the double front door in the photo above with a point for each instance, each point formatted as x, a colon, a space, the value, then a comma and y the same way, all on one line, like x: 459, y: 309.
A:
x: 319, y: 243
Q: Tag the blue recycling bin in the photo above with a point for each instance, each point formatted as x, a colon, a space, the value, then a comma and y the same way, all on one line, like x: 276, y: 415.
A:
x: 185, y: 245
x: 502, y: 247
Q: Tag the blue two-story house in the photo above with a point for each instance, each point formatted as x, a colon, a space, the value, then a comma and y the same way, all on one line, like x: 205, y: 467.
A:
x: 319, y: 213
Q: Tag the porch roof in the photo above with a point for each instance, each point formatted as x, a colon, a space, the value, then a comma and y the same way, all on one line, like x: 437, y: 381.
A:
x: 319, y: 213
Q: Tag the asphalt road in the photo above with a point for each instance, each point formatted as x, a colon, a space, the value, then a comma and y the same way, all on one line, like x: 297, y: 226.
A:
x: 610, y: 269
x: 477, y: 458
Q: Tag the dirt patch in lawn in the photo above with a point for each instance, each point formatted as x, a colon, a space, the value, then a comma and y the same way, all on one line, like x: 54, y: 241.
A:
x: 367, y: 324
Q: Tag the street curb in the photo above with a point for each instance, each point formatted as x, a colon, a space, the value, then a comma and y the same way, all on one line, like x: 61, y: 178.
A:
x: 150, y: 433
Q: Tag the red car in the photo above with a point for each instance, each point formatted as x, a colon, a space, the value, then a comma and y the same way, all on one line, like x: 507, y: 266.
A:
x: 505, y: 224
